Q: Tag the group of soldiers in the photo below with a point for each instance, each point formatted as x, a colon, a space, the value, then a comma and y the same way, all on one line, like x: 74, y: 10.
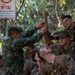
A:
x: 56, y: 57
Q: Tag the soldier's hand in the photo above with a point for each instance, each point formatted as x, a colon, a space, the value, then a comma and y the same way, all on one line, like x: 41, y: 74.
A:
x: 44, y: 30
x: 40, y: 25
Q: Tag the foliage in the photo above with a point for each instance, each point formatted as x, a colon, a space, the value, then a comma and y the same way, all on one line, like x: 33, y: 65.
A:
x: 31, y: 12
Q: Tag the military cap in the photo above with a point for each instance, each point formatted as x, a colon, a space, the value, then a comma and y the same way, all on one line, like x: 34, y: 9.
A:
x: 15, y: 28
x: 63, y: 33
x: 55, y: 34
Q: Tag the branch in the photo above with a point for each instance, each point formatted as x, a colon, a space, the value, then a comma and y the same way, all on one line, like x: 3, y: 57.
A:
x: 45, y: 16
x: 20, y: 8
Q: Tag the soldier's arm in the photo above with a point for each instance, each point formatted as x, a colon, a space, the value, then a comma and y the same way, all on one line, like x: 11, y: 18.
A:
x: 22, y: 42
x: 31, y: 32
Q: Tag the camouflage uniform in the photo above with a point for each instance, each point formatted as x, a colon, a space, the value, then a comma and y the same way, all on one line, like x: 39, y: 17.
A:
x: 70, y: 50
x: 13, y: 60
x: 61, y: 66
x: 70, y: 65
x: 56, y: 49
x: 71, y: 47
x: 71, y: 32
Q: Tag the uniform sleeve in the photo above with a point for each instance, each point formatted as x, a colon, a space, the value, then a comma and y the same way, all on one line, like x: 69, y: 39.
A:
x: 23, y: 42
x: 28, y: 33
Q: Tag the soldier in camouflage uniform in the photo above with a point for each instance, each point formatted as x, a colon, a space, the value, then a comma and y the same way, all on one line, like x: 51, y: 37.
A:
x: 68, y: 25
x: 13, y: 60
x: 67, y: 44
x: 56, y: 65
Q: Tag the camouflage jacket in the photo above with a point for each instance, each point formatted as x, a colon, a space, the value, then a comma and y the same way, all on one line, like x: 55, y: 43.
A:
x: 13, y: 54
x: 71, y: 32
x: 70, y: 66
x: 56, y: 49
x: 28, y: 33
x: 70, y: 50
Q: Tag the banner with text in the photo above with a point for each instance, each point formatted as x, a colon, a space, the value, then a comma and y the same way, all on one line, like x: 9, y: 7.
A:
x: 7, y: 8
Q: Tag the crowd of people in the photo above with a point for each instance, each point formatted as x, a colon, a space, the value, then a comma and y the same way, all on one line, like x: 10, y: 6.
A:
x: 56, y: 57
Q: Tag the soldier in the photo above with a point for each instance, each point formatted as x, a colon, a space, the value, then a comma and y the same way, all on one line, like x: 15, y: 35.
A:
x: 56, y: 65
x: 40, y: 62
x: 13, y: 60
x: 68, y: 25
x: 67, y: 44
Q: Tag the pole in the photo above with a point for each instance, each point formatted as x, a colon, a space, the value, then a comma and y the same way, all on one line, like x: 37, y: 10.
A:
x: 5, y: 28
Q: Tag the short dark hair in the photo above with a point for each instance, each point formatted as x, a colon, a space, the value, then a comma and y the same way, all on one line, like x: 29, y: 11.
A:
x: 40, y: 56
x: 65, y: 16
x: 33, y: 55
x: 15, y: 28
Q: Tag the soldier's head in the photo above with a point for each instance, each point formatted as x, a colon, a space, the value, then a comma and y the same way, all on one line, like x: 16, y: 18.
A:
x: 66, y: 21
x: 14, y: 32
x: 63, y: 37
x: 56, y: 36
x: 36, y: 57
x: 45, y: 52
